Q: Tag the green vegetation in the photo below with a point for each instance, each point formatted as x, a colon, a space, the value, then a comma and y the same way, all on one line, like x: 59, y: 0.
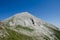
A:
x: 16, y: 36
x: 46, y: 38
x: 25, y: 28
x: 56, y: 32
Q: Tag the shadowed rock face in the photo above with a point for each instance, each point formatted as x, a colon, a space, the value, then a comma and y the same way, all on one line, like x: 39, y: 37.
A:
x: 32, y: 20
x: 29, y: 27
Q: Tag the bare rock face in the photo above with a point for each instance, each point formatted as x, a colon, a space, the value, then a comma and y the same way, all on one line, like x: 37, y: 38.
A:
x: 30, y: 25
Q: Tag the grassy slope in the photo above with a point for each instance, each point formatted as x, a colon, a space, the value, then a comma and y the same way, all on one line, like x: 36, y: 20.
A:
x: 56, y: 32
x: 25, y: 28
x: 16, y: 36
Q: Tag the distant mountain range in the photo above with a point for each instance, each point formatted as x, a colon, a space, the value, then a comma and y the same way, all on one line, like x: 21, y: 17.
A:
x: 24, y: 26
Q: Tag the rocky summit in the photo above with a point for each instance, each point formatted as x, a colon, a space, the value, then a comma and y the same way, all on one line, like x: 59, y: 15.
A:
x: 24, y: 26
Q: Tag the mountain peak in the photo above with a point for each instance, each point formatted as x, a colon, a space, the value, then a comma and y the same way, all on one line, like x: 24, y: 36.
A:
x: 27, y: 24
x: 24, y: 13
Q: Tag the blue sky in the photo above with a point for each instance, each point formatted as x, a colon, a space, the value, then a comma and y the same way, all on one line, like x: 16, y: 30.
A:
x: 47, y: 10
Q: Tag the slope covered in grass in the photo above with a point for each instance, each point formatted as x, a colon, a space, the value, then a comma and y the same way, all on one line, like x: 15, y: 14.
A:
x: 56, y: 32
x: 25, y: 28
x: 16, y: 36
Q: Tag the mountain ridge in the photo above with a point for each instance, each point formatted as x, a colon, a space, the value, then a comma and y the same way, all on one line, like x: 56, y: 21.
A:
x: 29, y: 25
